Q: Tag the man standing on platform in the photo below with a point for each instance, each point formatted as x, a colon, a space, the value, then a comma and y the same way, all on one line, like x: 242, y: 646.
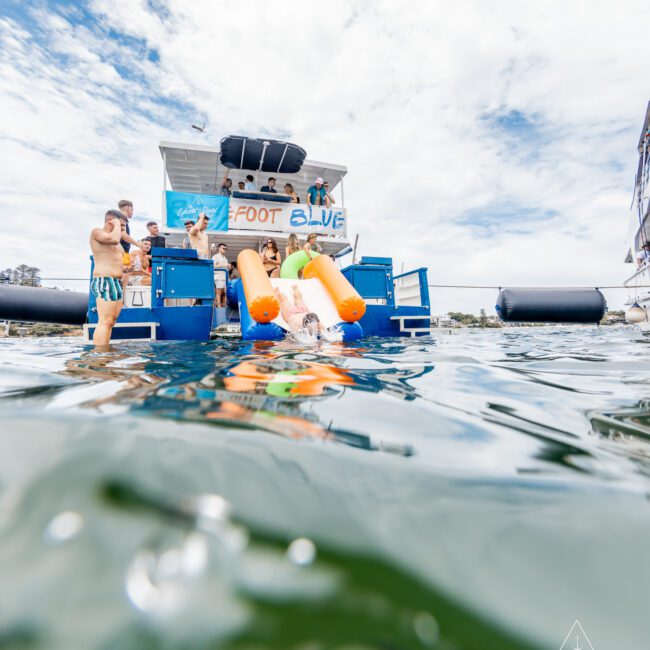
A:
x: 106, y: 284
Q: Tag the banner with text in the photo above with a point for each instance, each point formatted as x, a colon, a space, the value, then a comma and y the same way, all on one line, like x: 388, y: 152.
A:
x: 181, y: 206
x: 299, y: 218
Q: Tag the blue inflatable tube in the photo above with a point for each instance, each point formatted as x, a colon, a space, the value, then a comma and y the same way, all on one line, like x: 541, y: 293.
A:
x: 251, y: 330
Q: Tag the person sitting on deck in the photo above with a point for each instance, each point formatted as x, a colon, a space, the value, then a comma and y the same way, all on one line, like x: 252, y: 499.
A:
x: 297, y: 316
x: 271, y: 258
x: 288, y: 189
x: 220, y: 262
x: 226, y: 184
x: 249, y: 185
x: 316, y: 194
x: 108, y: 269
x: 199, y: 238
x: 140, y: 268
x: 293, y: 245
x: 155, y: 238
x: 643, y: 256
x: 270, y: 186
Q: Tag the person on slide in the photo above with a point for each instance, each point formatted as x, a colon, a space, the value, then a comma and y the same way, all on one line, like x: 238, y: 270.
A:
x: 297, y: 316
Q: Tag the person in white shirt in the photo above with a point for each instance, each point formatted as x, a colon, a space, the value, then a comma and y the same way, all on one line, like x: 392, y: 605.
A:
x: 643, y: 256
x: 220, y: 262
x: 249, y: 186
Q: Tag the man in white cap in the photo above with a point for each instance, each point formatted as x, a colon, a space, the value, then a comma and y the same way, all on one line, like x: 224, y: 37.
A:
x: 316, y: 194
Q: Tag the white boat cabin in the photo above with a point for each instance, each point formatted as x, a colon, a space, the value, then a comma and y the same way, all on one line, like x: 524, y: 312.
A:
x: 196, y: 171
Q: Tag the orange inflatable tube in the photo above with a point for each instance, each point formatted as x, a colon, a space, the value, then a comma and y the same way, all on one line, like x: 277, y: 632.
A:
x: 350, y: 305
x: 263, y: 306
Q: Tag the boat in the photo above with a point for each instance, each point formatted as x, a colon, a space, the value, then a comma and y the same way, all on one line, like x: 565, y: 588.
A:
x: 638, y: 305
x: 363, y: 297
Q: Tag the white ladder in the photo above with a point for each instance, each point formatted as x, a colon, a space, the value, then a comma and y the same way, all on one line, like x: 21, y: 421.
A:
x: 412, y: 330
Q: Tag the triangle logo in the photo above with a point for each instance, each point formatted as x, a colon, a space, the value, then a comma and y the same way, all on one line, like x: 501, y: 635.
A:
x: 576, y: 639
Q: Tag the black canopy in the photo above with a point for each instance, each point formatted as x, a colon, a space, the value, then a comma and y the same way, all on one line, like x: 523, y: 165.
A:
x: 258, y: 154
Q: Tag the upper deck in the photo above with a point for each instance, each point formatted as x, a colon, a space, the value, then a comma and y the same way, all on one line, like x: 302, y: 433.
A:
x: 196, y: 171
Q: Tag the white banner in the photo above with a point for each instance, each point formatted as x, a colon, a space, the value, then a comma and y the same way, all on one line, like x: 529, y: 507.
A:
x: 299, y: 218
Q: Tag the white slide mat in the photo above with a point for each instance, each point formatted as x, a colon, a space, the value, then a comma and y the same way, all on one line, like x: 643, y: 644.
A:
x: 315, y: 297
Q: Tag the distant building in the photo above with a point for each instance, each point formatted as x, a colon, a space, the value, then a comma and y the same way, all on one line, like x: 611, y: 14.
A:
x: 444, y: 321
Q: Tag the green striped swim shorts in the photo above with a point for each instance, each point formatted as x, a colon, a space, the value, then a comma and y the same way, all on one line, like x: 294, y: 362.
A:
x: 107, y: 288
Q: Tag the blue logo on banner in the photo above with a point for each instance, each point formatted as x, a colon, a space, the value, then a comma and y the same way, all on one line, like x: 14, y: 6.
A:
x: 182, y: 206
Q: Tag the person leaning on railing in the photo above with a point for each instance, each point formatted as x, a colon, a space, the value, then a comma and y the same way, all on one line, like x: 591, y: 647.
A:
x: 270, y: 186
x: 643, y: 256
x: 289, y: 191
x: 316, y: 194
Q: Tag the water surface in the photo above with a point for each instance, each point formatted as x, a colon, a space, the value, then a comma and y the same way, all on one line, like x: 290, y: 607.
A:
x: 479, y: 489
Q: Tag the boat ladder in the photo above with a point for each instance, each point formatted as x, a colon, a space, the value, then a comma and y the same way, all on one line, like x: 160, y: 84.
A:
x: 413, y: 331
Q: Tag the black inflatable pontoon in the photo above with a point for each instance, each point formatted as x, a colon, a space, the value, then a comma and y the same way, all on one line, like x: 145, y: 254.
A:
x: 40, y: 305
x: 551, y: 305
x: 258, y: 154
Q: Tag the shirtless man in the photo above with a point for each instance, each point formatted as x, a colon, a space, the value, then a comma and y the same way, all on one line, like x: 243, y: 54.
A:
x: 297, y: 316
x: 199, y: 238
x: 106, y: 284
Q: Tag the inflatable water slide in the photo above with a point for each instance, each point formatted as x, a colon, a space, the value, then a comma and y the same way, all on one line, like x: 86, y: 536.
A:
x: 324, y: 289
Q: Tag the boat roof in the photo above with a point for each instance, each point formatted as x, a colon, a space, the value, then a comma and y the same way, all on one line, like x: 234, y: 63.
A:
x: 196, y: 168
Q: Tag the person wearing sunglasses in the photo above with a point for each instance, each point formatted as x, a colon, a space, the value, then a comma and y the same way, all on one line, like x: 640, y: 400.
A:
x: 220, y: 262
x: 271, y: 258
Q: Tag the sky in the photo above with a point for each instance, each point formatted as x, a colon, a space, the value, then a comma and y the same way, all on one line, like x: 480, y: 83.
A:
x: 492, y: 142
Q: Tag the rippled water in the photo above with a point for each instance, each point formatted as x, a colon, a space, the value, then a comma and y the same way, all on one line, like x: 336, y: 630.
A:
x: 479, y: 489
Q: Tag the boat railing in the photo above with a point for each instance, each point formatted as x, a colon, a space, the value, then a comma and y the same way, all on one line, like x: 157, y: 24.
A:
x: 411, y: 289
x: 643, y: 270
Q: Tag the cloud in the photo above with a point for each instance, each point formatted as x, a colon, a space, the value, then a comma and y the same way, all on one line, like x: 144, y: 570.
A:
x: 494, y: 144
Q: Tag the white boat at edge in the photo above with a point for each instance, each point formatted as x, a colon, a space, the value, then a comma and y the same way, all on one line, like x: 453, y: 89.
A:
x: 639, y: 233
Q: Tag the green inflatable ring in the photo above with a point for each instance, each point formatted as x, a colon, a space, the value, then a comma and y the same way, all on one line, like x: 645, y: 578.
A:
x: 293, y: 264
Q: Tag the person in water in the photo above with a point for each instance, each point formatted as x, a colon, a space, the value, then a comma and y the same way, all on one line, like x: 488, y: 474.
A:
x: 297, y: 315
x: 271, y: 258
x: 199, y: 238
x: 106, y: 284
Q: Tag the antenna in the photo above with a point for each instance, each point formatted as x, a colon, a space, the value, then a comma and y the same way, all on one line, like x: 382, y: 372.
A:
x: 200, y: 129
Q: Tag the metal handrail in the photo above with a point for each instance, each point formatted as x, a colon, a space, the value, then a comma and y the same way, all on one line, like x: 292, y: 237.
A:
x: 639, y: 271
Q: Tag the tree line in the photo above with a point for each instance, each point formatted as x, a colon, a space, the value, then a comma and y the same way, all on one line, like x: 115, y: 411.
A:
x: 28, y: 276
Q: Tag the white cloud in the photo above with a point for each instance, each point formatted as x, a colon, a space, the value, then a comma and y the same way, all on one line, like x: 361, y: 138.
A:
x: 405, y: 95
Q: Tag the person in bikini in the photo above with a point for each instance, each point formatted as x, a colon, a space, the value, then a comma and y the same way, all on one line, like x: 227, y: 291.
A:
x: 297, y: 315
x: 271, y: 258
x: 106, y: 284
